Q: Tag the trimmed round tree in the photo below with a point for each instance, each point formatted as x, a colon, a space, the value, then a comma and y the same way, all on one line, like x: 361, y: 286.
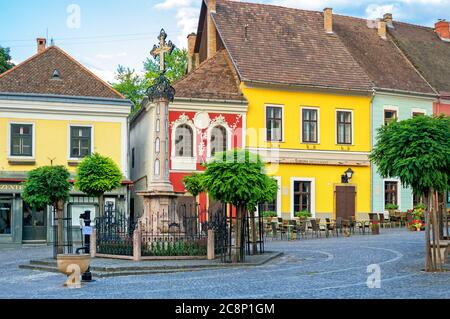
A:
x: 96, y: 175
x: 238, y: 177
x: 417, y: 151
x: 49, y: 186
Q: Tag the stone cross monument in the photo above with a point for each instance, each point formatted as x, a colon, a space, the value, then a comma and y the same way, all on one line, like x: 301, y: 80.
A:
x: 159, y: 198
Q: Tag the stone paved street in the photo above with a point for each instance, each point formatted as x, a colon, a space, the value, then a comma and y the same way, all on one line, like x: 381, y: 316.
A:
x: 323, y: 268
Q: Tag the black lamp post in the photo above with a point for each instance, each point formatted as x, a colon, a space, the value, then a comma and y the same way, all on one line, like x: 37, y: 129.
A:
x: 348, y: 174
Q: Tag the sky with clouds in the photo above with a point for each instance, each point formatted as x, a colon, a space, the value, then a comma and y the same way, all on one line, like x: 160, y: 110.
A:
x: 102, y: 34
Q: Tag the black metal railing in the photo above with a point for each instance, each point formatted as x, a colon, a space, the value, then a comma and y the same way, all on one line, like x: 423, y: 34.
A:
x: 177, y: 231
x: 114, y: 232
x: 62, y: 234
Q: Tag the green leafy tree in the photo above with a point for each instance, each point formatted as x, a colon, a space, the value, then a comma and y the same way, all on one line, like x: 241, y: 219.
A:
x: 96, y: 175
x: 48, y: 186
x: 176, y: 66
x: 193, y: 184
x: 238, y: 177
x: 130, y: 84
x: 5, y: 60
x: 417, y: 151
x: 134, y: 86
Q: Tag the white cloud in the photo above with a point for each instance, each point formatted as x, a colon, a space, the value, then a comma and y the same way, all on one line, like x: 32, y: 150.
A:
x: 172, y: 4
x: 318, y: 5
x: 110, y: 56
x: 374, y: 11
x: 187, y: 12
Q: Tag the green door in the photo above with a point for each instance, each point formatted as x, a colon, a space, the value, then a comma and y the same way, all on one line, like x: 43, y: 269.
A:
x: 34, y: 224
x: 5, y: 216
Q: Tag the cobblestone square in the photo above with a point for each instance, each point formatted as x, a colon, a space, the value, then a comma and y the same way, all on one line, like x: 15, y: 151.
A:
x: 312, y: 268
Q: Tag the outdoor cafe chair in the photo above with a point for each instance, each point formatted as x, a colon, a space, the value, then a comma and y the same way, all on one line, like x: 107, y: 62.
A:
x: 300, y: 229
x: 384, y: 222
x: 330, y: 227
x: 315, y: 228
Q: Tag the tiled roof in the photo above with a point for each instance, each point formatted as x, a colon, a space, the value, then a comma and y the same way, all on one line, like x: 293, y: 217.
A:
x: 273, y: 44
x: 385, y: 64
x: 429, y: 54
x: 214, y: 79
x: 35, y: 76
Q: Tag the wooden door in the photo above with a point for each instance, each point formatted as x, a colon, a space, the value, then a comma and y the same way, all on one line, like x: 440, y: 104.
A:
x: 345, y: 203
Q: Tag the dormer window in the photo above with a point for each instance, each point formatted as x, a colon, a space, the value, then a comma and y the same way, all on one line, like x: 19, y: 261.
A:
x: 56, y: 75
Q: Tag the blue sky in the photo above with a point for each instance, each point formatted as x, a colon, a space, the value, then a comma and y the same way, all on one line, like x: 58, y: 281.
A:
x: 102, y: 34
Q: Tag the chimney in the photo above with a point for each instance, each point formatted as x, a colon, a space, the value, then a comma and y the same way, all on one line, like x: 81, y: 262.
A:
x: 328, y: 20
x: 387, y: 17
x: 41, y: 44
x: 442, y: 28
x: 211, y: 29
x: 191, y: 51
x: 382, y: 29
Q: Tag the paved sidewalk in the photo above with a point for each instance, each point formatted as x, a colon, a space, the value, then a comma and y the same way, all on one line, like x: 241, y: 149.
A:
x: 315, y: 268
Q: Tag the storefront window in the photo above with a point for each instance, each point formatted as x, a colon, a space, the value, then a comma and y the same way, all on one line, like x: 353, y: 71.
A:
x: 5, y: 217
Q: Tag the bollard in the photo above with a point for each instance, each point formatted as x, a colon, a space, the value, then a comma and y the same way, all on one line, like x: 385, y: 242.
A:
x: 93, y: 249
x: 137, y: 244
x: 210, y: 245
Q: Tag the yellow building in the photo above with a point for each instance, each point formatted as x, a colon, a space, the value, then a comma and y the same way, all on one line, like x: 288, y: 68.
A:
x: 308, y: 103
x: 53, y: 111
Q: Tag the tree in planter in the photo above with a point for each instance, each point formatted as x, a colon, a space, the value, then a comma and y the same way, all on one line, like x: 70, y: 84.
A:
x: 49, y: 186
x: 237, y: 177
x: 96, y: 175
x: 193, y: 184
x: 417, y: 151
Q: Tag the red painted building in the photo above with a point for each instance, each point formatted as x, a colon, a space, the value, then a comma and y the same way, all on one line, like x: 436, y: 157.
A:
x: 208, y: 116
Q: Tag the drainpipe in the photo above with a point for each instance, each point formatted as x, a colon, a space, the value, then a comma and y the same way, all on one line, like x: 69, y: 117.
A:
x: 371, y: 148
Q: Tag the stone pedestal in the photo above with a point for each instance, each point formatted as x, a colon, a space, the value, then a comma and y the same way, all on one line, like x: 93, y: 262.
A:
x: 159, y: 211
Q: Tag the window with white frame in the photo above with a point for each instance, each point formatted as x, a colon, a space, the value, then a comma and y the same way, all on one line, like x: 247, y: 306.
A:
x: 390, y: 116
x: 310, y: 125
x: 218, y: 139
x: 274, y: 123
x: 21, y: 140
x: 184, y: 141
x: 344, y: 127
x: 80, y: 141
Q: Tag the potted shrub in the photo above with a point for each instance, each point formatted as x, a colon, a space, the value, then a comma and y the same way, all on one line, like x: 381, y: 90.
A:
x: 391, y: 208
x: 268, y: 215
x: 417, y: 214
x: 304, y: 214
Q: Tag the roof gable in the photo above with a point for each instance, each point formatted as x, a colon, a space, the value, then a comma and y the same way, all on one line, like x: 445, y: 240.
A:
x: 36, y: 76
x: 385, y: 64
x: 286, y: 46
x: 214, y: 79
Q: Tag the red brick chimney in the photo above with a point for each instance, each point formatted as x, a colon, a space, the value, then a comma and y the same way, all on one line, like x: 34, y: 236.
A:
x: 191, y: 52
x: 41, y: 44
x: 442, y: 28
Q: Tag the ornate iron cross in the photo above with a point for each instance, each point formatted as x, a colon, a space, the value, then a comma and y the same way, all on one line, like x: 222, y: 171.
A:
x: 162, y: 49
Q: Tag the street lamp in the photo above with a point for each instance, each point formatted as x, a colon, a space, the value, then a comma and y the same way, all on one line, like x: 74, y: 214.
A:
x: 348, y: 174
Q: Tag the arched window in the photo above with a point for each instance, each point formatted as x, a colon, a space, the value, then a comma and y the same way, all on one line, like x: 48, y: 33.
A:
x: 157, y: 145
x: 158, y: 126
x: 157, y: 169
x: 184, y: 141
x: 218, y: 140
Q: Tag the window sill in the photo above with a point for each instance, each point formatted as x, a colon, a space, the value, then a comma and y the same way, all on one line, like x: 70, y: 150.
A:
x: 21, y: 161
x: 184, y: 163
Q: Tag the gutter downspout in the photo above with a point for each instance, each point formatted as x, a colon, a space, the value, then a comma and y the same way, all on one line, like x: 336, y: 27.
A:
x: 371, y: 148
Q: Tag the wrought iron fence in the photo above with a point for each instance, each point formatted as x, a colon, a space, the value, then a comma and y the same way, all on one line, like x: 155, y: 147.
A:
x: 114, y: 232
x: 62, y: 234
x: 177, y: 231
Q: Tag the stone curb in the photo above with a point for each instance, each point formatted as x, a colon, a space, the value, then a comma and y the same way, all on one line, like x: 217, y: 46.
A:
x: 102, y: 272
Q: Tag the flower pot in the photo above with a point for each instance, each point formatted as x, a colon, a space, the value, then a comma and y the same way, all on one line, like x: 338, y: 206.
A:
x: 63, y: 261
